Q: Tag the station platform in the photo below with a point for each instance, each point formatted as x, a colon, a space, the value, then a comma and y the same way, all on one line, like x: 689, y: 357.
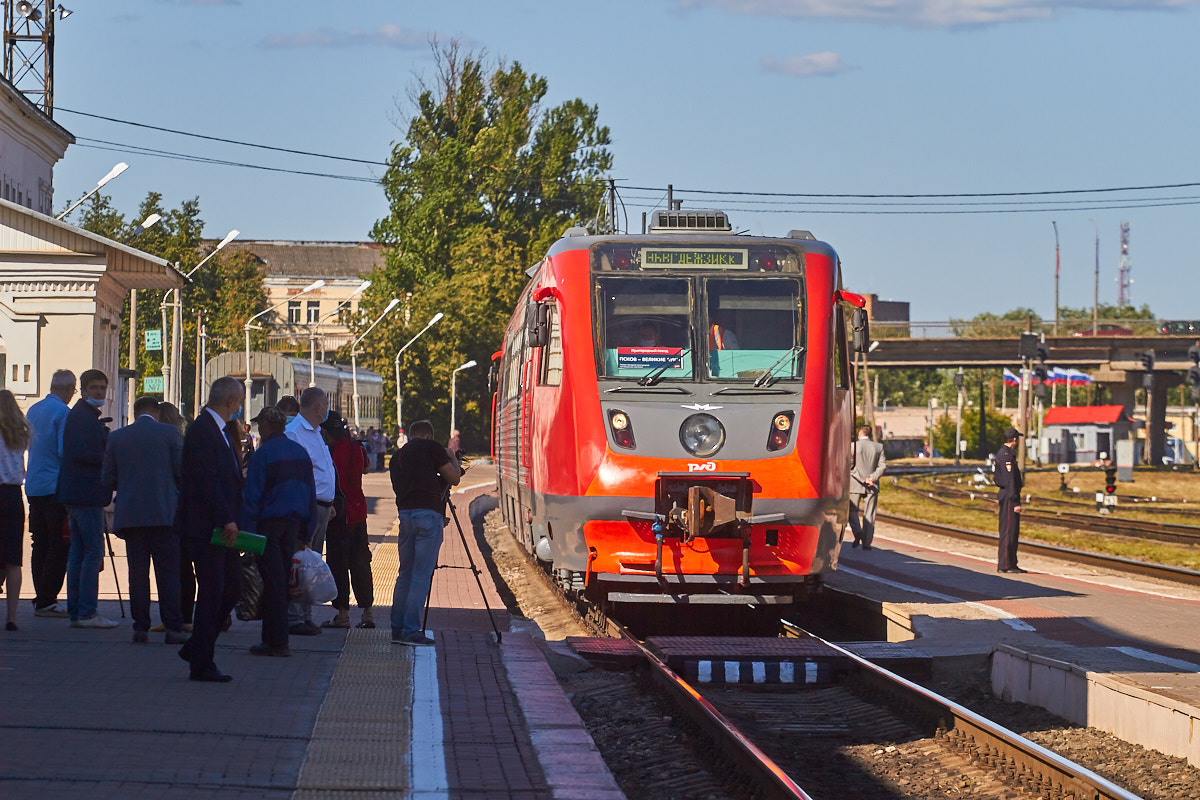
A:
x: 88, y: 714
x: 1099, y: 648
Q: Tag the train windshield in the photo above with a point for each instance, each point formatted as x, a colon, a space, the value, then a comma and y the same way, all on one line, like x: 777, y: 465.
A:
x: 699, y: 327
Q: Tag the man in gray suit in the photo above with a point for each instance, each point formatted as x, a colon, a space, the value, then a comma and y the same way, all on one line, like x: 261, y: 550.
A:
x: 869, y: 464
x: 142, y: 463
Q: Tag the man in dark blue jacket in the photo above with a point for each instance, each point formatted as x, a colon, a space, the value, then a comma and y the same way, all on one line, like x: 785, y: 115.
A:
x: 85, y: 496
x: 210, y: 498
x: 142, y: 463
x: 280, y: 503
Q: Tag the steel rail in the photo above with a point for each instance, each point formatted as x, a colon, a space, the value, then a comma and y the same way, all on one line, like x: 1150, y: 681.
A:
x: 1001, y: 747
x: 1117, y: 563
x: 768, y: 777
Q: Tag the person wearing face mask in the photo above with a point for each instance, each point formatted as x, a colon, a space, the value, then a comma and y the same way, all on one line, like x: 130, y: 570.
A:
x: 210, y: 497
x: 85, y: 496
x: 290, y: 407
x: 305, y: 430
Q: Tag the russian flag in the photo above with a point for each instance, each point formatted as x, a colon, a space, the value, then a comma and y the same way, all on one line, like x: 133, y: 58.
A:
x: 1077, y: 378
x: 1010, y: 379
x: 1058, y: 376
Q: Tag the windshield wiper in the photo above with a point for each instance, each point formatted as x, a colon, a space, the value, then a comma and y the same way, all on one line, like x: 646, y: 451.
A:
x: 655, y: 375
x: 765, y: 378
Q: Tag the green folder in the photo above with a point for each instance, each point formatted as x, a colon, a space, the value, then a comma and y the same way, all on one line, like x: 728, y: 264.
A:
x: 246, y: 542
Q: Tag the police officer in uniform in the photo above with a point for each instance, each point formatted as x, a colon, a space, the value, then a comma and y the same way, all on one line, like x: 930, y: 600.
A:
x: 1007, y: 475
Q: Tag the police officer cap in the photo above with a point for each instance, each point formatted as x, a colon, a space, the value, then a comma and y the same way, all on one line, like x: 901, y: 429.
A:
x: 1010, y: 434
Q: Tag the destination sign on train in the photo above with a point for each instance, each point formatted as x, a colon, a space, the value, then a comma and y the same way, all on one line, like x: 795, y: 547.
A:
x: 694, y: 257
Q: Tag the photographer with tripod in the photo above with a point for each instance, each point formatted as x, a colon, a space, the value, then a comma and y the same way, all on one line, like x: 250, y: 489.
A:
x: 422, y: 473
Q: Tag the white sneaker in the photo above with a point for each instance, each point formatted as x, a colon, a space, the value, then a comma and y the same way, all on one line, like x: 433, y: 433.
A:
x: 98, y: 621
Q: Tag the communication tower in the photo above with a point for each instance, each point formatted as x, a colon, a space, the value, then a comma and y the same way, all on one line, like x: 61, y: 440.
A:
x: 29, y: 49
x: 1124, y: 296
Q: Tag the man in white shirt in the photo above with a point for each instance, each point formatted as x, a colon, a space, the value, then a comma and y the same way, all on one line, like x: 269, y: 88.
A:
x: 305, y: 430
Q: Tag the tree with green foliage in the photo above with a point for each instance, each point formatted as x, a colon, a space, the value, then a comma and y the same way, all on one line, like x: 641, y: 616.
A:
x: 226, y: 292
x: 944, y: 428
x: 484, y: 181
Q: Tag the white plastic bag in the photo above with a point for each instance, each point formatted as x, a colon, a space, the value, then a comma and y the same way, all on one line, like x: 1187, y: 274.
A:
x: 311, y: 578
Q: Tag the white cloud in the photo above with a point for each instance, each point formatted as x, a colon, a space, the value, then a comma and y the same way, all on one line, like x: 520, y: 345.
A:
x: 929, y: 13
x: 813, y: 65
x: 386, y: 35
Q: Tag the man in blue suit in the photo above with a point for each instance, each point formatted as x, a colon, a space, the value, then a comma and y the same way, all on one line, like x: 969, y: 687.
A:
x: 211, y: 498
x: 142, y: 463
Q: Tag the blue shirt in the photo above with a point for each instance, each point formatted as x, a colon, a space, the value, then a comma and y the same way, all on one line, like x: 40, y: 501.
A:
x: 46, y: 418
x: 279, y: 485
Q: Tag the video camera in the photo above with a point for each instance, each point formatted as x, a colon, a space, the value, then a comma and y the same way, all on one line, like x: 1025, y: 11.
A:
x: 462, y: 460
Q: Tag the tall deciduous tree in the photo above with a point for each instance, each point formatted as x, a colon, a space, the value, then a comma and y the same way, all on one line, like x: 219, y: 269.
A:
x: 484, y: 181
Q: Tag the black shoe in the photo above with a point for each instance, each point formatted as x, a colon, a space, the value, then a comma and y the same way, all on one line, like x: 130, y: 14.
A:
x: 10, y: 626
x: 278, y: 650
x: 305, y: 628
x: 1018, y: 570
x: 140, y: 637
x: 855, y: 543
x: 866, y: 547
x: 212, y: 675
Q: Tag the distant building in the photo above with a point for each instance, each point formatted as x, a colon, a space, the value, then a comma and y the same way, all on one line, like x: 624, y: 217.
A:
x: 290, y: 266
x: 893, y: 313
x: 62, y: 289
x: 1078, y: 434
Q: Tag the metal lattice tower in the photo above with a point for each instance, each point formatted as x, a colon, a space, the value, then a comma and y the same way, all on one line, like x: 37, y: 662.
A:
x: 29, y: 50
x: 1124, y: 296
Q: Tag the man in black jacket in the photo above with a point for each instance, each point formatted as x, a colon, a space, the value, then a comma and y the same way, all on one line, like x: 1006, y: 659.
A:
x: 210, y: 497
x: 85, y: 496
x: 1007, y: 474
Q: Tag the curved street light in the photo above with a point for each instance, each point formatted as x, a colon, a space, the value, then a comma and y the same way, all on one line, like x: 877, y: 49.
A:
x: 312, y: 333
x: 112, y: 173
x: 250, y: 324
x: 399, y: 403
x: 454, y: 375
x: 147, y: 223
x: 354, y: 353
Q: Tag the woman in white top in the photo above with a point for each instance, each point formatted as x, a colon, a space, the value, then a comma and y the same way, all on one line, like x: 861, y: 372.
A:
x: 14, y: 441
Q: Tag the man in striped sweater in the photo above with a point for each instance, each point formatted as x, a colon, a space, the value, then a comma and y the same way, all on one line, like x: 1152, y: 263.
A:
x: 280, y: 503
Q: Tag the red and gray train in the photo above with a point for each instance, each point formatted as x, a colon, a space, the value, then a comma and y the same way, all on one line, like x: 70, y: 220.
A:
x: 673, y: 413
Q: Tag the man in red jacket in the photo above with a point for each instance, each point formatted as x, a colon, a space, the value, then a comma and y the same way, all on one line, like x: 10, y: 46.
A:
x: 347, y: 549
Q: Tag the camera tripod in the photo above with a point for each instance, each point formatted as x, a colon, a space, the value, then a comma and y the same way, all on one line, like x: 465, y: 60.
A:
x: 474, y: 570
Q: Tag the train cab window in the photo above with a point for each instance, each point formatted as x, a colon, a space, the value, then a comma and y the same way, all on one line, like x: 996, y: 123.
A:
x: 644, y: 323
x: 752, y: 326
x: 552, y: 353
x: 841, y: 363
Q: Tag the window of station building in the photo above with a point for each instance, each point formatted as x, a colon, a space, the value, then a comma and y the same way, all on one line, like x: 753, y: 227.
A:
x: 293, y: 312
x: 552, y: 353
x: 312, y: 311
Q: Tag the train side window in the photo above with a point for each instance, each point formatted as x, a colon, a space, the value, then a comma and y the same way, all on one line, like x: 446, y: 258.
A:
x: 841, y: 366
x: 552, y: 353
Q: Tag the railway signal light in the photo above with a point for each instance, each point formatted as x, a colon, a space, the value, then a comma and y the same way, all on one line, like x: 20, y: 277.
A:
x: 1148, y: 365
x: 1028, y: 345
x: 1110, y: 480
x: 1193, y: 379
x: 1043, y: 352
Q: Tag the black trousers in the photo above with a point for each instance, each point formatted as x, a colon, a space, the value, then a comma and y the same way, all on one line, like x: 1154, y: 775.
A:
x: 348, y: 553
x: 275, y: 565
x: 187, y: 581
x: 160, y: 544
x: 1010, y: 531
x: 218, y: 585
x: 48, y: 558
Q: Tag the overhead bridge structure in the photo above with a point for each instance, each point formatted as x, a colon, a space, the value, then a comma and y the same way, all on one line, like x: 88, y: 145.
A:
x: 1115, y: 361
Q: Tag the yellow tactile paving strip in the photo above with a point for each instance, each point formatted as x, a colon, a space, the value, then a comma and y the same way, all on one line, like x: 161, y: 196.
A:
x: 360, y: 745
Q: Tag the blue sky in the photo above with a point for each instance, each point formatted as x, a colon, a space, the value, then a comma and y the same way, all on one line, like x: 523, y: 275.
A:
x: 767, y: 96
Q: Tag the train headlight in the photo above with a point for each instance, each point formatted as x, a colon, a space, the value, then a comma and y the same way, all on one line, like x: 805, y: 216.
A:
x: 702, y: 435
x: 781, y: 431
x: 622, y: 429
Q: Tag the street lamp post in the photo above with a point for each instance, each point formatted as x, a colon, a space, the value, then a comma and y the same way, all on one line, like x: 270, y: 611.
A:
x: 1096, y: 284
x: 1056, y: 266
x: 250, y: 324
x: 312, y: 333
x: 454, y: 375
x: 172, y: 367
x: 148, y: 222
x: 112, y: 173
x: 354, y: 354
x: 399, y: 403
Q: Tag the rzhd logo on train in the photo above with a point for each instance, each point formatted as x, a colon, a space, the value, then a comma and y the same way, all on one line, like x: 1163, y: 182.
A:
x: 707, y: 466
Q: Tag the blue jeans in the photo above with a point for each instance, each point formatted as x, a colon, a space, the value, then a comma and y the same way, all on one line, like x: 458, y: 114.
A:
x: 420, y: 541
x: 84, y: 560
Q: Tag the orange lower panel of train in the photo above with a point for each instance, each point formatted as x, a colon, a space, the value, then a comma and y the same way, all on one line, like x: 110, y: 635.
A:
x: 629, y: 548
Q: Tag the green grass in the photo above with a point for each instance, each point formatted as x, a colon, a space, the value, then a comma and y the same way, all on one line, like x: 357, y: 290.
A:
x: 1044, y: 487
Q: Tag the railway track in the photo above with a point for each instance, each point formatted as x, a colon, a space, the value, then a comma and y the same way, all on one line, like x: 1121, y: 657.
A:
x: 1093, y: 523
x: 1127, y: 565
